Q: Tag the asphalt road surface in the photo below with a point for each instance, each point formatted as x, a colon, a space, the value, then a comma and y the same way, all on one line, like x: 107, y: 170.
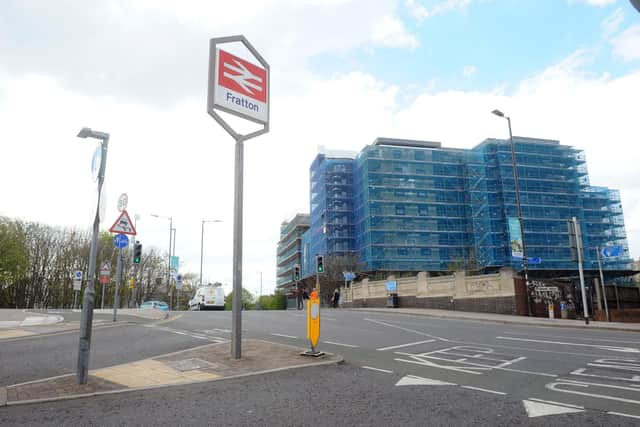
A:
x: 409, y: 370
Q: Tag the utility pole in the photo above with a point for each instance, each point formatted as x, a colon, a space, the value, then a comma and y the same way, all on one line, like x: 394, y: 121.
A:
x: 575, y: 237
x: 86, y: 321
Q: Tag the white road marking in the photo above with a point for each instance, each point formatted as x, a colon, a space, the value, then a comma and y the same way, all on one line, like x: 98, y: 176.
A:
x: 483, y: 389
x: 415, y: 380
x: 572, y: 338
x: 580, y: 372
x: 393, y: 347
x: 328, y: 318
x: 337, y: 343
x: 539, y: 409
x: 600, y: 347
x: 407, y: 329
x: 557, y: 403
x: 554, y: 386
x: 624, y: 415
x: 285, y: 336
x: 377, y: 369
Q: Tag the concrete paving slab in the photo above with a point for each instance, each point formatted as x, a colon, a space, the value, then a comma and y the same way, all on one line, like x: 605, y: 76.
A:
x: 205, y: 363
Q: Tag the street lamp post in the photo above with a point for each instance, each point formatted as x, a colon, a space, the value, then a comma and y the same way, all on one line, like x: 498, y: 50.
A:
x: 202, y: 244
x: 525, y: 270
x: 84, y: 345
x: 260, y: 296
x: 170, y: 241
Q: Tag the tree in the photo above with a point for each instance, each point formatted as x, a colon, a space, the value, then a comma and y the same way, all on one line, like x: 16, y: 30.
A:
x: 333, y: 276
x: 248, y: 300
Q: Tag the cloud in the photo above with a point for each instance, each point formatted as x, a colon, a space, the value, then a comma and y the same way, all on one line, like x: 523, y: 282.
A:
x: 130, y: 49
x: 469, y: 70
x: 421, y: 12
x: 390, y: 32
x: 599, y: 3
x: 626, y: 46
x: 612, y: 23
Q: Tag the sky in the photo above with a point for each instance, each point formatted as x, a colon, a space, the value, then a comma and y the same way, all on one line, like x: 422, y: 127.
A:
x: 343, y: 72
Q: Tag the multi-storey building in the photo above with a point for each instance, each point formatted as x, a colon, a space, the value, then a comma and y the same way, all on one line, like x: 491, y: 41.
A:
x: 404, y: 205
x: 290, y: 248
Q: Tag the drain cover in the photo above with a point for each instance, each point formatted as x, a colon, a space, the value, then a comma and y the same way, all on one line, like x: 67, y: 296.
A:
x: 191, y: 364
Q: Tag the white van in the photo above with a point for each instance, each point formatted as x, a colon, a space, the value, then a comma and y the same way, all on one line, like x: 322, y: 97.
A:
x: 208, y: 298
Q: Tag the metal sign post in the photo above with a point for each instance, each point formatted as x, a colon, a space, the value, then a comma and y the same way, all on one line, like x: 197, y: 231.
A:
x: 241, y: 88
x: 575, y: 233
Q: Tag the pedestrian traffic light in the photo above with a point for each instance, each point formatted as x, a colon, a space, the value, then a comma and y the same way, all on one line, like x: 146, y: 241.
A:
x: 320, y: 263
x: 137, y: 252
x: 296, y: 273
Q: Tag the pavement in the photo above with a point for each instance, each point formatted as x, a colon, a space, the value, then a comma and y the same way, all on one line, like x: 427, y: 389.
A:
x: 201, y: 364
x: 505, y: 318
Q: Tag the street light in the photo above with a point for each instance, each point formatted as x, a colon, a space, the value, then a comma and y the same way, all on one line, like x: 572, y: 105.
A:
x: 519, y: 208
x: 170, y: 240
x: 202, y: 243
x: 84, y: 345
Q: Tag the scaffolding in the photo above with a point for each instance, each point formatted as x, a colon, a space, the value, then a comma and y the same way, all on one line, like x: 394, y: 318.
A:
x: 404, y: 205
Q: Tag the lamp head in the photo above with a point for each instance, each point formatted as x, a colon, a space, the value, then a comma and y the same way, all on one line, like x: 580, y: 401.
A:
x: 85, y: 133
x: 498, y: 113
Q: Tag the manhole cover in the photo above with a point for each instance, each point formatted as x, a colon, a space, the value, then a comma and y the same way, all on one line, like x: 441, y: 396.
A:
x: 191, y: 364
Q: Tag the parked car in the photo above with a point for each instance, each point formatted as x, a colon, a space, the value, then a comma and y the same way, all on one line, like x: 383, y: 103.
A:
x: 207, y: 298
x: 155, y: 305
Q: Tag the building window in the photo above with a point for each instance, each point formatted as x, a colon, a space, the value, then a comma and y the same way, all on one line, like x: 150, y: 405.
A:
x: 423, y: 211
x: 419, y: 155
x: 403, y: 251
x: 396, y: 154
x: 399, y: 210
x: 425, y: 251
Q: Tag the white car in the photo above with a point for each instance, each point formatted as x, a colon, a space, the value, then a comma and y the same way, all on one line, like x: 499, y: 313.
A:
x: 208, y: 298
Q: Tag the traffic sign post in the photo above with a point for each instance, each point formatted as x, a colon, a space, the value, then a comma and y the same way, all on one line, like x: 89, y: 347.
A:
x: 77, y: 285
x: 241, y: 88
x: 105, y: 272
x: 313, y: 324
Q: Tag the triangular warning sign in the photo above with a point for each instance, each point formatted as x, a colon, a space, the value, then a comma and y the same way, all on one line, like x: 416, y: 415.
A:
x: 539, y: 409
x: 415, y: 380
x: 123, y: 225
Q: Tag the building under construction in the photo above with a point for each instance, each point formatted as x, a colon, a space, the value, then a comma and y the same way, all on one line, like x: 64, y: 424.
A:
x: 408, y: 206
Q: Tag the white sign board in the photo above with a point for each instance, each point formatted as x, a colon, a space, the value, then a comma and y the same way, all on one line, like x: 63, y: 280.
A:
x: 123, y: 201
x: 77, y: 280
x: 237, y: 85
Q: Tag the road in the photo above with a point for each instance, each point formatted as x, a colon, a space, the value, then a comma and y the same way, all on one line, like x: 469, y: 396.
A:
x: 399, y: 370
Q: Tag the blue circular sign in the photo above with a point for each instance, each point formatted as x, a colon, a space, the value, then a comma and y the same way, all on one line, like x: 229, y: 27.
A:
x: 120, y: 241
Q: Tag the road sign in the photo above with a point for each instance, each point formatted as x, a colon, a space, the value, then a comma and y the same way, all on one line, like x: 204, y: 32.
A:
x: 611, y: 251
x: 123, y: 201
x: 178, y: 281
x: 120, y: 241
x: 95, y: 163
x: 123, y: 225
x: 105, y: 272
x: 77, y: 280
x: 175, y: 262
x: 240, y: 87
x: 313, y: 319
x: 105, y: 269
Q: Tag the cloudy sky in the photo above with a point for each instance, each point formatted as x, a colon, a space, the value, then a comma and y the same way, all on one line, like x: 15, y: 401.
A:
x: 342, y: 73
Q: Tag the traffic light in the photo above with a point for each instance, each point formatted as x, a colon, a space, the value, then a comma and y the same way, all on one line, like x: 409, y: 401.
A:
x: 296, y: 273
x: 320, y: 264
x: 137, y: 252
